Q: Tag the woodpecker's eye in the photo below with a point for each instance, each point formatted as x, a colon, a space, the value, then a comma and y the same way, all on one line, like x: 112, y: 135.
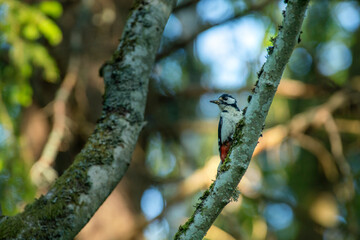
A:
x: 225, y: 98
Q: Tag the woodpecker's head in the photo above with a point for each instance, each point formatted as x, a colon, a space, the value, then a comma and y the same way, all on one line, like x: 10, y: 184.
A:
x: 226, y: 101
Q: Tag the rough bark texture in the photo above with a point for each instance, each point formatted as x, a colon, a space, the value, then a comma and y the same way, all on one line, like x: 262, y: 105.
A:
x: 80, y: 191
x: 249, y: 130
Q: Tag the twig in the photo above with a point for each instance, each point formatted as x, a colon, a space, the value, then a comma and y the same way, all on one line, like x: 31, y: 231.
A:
x: 301, y: 122
x: 346, y: 191
x: 319, y: 150
x: 296, y: 89
x: 42, y: 172
x: 348, y: 126
x: 185, y: 4
x: 336, y: 144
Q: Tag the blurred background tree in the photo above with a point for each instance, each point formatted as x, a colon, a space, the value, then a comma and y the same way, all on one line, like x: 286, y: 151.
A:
x: 303, y: 179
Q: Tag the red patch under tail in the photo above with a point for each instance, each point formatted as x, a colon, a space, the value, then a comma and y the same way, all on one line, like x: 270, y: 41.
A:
x: 224, y: 149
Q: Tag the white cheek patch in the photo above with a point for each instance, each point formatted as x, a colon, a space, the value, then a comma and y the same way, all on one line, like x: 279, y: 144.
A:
x: 230, y: 101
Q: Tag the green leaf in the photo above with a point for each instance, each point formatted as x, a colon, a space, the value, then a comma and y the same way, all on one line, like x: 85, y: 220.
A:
x: 1, y: 164
x: 51, y: 31
x: 31, y: 32
x: 41, y: 58
x: 51, y: 8
x: 22, y: 94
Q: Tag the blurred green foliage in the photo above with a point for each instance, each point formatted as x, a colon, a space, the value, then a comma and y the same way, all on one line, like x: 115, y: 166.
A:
x: 24, y: 32
x: 283, y: 182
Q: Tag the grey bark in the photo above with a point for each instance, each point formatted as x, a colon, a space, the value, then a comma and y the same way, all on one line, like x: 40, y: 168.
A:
x: 249, y: 130
x: 101, y: 164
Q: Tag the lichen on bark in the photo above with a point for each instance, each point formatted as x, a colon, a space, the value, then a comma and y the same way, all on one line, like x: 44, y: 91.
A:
x: 101, y: 164
x: 250, y: 129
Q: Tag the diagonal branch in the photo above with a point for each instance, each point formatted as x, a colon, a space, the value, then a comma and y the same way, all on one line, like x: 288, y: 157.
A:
x: 224, y: 188
x: 185, y: 4
x: 101, y: 164
x: 318, y: 149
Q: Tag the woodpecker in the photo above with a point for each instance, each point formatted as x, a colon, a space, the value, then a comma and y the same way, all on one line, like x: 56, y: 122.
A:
x: 230, y: 115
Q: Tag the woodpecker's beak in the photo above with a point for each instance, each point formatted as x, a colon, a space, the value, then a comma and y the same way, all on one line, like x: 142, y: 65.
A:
x: 215, y: 101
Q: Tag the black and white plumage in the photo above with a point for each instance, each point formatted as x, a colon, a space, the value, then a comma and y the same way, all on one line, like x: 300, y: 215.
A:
x: 230, y: 115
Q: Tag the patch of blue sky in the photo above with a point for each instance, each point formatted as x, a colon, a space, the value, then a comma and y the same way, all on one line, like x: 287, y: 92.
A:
x: 300, y: 62
x: 160, y: 161
x: 228, y: 74
x: 173, y: 28
x: 152, y: 203
x: 279, y: 215
x: 4, y: 135
x: 228, y: 48
x: 157, y: 230
x: 333, y: 56
x: 4, y: 8
x: 171, y: 74
x: 348, y: 15
x: 214, y: 11
x: 206, y: 108
x: 249, y: 34
x: 3, y: 44
x: 282, y: 5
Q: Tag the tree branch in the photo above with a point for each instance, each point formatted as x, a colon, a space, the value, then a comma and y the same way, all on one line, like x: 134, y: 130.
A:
x: 79, y: 192
x: 224, y: 188
x: 185, y: 4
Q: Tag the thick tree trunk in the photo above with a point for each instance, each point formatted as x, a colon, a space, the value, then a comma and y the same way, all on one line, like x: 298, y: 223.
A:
x: 80, y: 191
x: 249, y: 130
